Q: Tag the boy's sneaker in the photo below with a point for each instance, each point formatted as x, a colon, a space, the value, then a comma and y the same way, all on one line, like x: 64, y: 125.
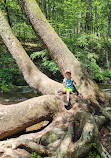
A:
x: 67, y: 105
x: 59, y: 91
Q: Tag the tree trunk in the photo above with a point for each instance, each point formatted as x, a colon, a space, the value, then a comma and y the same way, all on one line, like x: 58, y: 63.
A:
x: 44, y: 7
x: 109, y: 23
x: 59, y: 52
x: 6, y: 8
x: 88, y: 16
x: 108, y: 32
x: 79, y: 22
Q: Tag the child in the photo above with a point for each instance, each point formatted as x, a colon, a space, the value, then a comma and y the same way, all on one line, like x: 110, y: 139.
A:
x: 68, y: 86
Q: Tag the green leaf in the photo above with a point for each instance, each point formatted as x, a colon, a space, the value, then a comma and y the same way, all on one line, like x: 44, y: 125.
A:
x: 94, y: 145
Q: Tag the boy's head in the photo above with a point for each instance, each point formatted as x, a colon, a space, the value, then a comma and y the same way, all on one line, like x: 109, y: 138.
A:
x: 68, y: 73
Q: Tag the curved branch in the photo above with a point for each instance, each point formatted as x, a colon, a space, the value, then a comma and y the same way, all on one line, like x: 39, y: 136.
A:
x: 84, y: 143
x: 35, y: 78
x: 63, y: 148
x: 16, y: 117
x: 100, y: 121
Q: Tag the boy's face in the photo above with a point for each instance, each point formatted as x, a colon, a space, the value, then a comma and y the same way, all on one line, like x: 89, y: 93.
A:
x: 67, y: 75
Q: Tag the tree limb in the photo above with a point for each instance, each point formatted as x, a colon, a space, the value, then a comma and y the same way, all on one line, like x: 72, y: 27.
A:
x: 35, y: 78
x: 16, y: 117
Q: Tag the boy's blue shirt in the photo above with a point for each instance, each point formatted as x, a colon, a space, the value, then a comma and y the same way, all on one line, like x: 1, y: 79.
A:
x: 69, y: 83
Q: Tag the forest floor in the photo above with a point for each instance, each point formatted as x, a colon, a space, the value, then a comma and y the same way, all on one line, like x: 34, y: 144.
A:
x: 105, y: 136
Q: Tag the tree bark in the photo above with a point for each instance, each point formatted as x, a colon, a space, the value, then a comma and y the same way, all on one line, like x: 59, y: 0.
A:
x: 79, y: 22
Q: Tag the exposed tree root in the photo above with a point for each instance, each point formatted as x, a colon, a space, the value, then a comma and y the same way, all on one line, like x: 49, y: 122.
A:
x: 105, y: 112
x: 33, y: 146
x: 102, y: 151
x: 12, y: 146
x: 69, y: 148
x: 61, y: 144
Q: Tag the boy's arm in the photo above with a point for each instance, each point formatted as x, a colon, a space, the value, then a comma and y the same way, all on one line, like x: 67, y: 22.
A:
x: 64, y: 82
x: 74, y: 81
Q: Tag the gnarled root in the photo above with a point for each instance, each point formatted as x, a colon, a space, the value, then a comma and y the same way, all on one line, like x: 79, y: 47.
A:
x: 22, y: 146
x: 90, y: 134
x: 12, y: 148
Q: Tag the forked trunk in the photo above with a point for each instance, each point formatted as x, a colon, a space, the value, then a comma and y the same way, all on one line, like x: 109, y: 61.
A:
x: 59, y: 52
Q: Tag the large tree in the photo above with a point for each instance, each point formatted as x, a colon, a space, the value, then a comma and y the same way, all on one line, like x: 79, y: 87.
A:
x: 85, y: 117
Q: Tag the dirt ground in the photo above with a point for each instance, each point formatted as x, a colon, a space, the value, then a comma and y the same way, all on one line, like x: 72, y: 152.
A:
x: 106, y: 137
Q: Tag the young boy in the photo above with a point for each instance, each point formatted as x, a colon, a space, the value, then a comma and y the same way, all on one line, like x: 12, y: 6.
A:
x: 68, y: 86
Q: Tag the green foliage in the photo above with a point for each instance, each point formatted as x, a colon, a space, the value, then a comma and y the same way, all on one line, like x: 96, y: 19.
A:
x: 107, y: 73
x: 34, y: 155
x: 46, y: 65
x: 19, y: 23
x: 9, y: 70
x: 92, y: 48
x: 46, y: 62
x: 93, y: 151
x: 39, y: 54
x: 94, y: 154
x: 86, y: 54
x: 8, y: 88
x: 94, y: 145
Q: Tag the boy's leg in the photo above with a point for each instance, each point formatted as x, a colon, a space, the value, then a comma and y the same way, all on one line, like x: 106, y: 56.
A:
x: 63, y: 90
x: 68, y: 95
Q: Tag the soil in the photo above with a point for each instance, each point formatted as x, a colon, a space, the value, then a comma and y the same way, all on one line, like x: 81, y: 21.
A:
x: 106, y: 137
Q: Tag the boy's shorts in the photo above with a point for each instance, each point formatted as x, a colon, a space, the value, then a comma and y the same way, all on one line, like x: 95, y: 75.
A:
x: 68, y: 89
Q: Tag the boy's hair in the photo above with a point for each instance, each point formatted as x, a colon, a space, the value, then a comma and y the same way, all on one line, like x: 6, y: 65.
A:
x: 68, y: 70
